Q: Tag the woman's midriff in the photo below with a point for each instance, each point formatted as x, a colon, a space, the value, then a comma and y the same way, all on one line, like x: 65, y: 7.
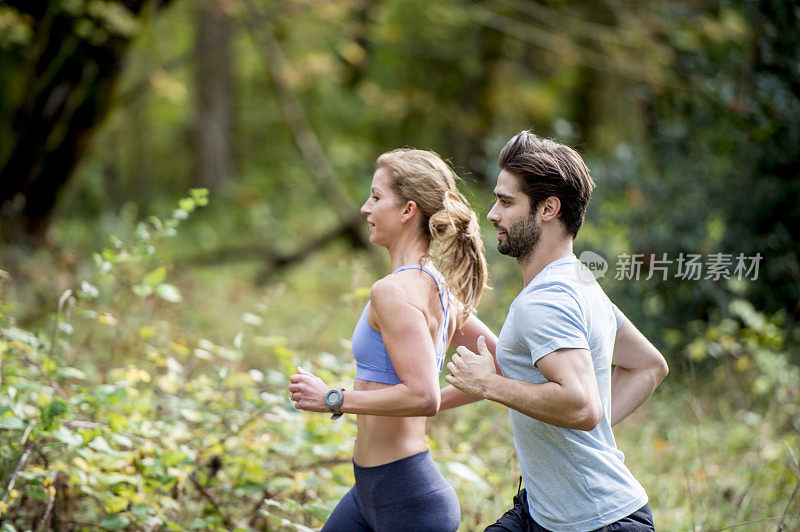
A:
x: 384, y: 439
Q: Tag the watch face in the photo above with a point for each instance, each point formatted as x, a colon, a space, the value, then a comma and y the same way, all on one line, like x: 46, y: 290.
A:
x: 333, y: 397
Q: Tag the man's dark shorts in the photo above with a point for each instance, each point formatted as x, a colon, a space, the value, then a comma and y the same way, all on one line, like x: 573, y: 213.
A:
x: 518, y: 519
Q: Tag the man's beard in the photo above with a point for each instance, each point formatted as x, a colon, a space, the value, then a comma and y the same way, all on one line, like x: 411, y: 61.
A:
x: 521, y: 238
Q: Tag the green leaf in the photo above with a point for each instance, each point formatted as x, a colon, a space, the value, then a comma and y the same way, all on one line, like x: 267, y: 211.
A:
x: 11, y: 423
x: 71, y: 373
x: 142, y: 290
x: 114, y: 522
x: 464, y: 472
x: 48, y: 365
x: 201, y: 524
x: 155, y: 277
x: 142, y: 510
x: 200, y: 196
x: 279, y: 484
x: 89, y: 291
x: 116, y: 421
x: 187, y: 204
x: 106, y: 394
x: 191, y: 415
x: 100, y: 444
x: 252, y: 319
x: 169, y: 293
x: 64, y: 435
x: 38, y: 493
x: 53, y: 410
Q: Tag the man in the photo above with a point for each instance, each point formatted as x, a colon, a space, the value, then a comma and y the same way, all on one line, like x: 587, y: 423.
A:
x: 556, y: 350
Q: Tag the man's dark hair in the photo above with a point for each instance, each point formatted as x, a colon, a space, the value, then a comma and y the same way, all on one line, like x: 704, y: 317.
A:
x: 545, y: 168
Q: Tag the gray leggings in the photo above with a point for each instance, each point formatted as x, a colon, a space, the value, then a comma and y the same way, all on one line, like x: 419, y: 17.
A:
x: 407, y: 494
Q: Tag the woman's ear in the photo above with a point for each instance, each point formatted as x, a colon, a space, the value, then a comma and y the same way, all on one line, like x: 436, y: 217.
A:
x: 409, y: 210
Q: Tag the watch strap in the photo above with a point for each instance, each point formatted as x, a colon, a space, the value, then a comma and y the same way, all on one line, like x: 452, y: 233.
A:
x: 335, y: 409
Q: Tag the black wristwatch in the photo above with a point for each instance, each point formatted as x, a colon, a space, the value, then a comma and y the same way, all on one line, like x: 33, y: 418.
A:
x: 334, y: 399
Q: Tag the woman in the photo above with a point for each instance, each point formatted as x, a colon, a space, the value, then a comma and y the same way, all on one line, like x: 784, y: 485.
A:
x: 416, y: 212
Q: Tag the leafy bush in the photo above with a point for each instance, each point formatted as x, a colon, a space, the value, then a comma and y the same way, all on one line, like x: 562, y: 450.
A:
x: 718, y: 446
x: 114, y: 419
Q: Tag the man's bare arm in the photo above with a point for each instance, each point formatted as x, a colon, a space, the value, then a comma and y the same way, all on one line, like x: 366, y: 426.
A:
x: 639, y: 369
x: 569, y: 399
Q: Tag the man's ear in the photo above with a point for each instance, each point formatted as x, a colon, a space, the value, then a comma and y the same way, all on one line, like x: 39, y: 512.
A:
x: 409, y: 210
x: 550, y: 208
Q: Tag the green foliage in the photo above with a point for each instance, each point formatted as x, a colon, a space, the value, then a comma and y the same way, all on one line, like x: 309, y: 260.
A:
x: 138, y: 403
x: 720, y: 162
x: 116, y: 416
x: 113, y: 421
x: 721, y: 447
x: 686, y: 113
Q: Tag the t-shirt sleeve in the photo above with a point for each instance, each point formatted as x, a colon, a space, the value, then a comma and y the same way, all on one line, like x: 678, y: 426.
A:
x: 553, y: 320
x: 618, y: 315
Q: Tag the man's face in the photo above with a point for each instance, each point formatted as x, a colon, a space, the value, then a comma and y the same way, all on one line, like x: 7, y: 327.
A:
x: 519, y: 232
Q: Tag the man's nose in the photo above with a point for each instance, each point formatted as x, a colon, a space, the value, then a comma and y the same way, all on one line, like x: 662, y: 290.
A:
x: 492, y: 216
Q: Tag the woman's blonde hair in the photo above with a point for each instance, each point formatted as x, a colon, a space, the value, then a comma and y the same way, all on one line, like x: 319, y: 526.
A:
x: 448, y: 223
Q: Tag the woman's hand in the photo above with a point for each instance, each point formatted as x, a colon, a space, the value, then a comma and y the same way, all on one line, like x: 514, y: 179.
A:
x: 308, y: 391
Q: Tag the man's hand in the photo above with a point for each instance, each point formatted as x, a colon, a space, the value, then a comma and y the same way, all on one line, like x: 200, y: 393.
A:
x: 470, y: 372
x: 639, y: 369
x: 308, y: 391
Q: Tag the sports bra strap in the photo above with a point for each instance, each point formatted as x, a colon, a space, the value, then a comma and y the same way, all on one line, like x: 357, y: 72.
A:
x: 442, y: 340
x: 435, y: 280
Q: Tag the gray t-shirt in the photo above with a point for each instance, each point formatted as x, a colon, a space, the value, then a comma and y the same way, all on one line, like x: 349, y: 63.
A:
x: 576, y: 480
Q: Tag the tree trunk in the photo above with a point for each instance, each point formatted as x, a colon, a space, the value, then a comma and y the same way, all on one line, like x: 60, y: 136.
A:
x: 214, y: 124
x: 475, y: 102
x: 68, y: 85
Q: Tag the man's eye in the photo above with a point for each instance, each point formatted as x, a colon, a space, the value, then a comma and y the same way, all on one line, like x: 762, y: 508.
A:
x: 375, y: 198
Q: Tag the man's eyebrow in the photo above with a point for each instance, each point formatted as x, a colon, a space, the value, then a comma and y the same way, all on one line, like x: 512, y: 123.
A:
x: 500, y: 195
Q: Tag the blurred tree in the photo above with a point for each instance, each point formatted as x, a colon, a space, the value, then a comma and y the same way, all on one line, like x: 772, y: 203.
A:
x: 355, y: 54
x: 687, y: 112
x: 719, y: 169
x: 56, y: 84
x: 764, y: 213
x: 214, y: 158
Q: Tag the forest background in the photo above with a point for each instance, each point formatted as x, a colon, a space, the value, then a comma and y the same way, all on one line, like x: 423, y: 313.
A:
x: 179, y: 192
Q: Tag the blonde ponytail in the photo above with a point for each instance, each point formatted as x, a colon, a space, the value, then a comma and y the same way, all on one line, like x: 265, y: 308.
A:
x: 448, y: 222
x: 458, y: 244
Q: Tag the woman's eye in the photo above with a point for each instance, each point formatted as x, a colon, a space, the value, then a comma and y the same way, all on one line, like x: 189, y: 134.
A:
x: 375, y: 198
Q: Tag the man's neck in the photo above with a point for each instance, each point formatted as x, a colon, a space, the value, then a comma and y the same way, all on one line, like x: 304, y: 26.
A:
x: 549, y: 250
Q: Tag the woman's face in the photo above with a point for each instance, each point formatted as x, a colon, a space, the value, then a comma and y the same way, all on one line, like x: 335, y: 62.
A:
x: 383, y: 209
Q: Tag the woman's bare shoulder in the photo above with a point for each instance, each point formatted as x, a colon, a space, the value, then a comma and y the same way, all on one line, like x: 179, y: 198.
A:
x: 410, y: 286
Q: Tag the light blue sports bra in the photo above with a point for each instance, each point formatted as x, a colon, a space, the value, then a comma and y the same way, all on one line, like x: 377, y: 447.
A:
x: 372, y: 361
